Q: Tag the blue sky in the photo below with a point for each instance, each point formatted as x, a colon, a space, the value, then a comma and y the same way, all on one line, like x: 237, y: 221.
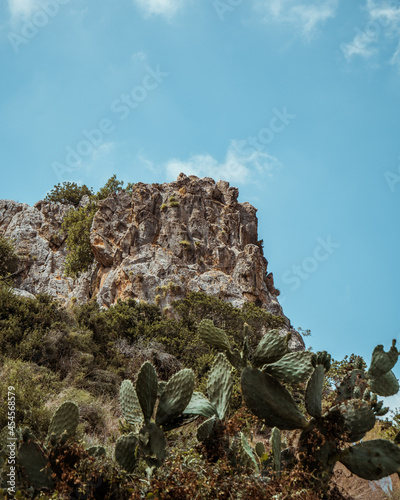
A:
x: 296, y: 102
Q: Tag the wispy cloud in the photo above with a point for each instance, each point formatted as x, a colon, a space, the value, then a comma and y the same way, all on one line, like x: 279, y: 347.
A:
x: 237, y: 168
x: 380, y: 32
x: 166, y: 8
x: 306, y: 16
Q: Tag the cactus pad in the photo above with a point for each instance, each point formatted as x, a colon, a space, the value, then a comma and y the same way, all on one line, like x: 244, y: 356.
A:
x: 146, y: 389
x: 125, y: 452
x: 373, y: 459
x: 175, y: 397
x: 129, y: 403
x: 199, y: 405
x: 204, y: 430
x: 276, y: 444
x: 271, y: 348
x: 213, y: 336
x: 292, y: 368
x: 259, y: 449
x: 357, y: 416
x: 220, y: 385
x: 313, y: 397
x: 382, y: 362
x: 385, y: 385
x: 270, y: 401
x: 34, y: 464
x: 153, y: 445
x: 246, y: 454
x: 356, y: 378
x: 97, y: 451
x: 65, y: 419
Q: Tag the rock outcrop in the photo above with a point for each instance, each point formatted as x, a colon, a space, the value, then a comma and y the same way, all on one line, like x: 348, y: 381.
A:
x: 157, y: 244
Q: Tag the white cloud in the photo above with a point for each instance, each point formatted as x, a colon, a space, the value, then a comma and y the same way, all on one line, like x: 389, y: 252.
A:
x: 236, y: 168
x: 166, y: 8
x: 306, y: 16
x: 380, y: 31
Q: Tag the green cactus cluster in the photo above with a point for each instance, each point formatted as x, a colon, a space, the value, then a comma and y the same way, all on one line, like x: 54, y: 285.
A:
x: 152, y: 408
x: 137, y: 406
x: 219, y: 390
x: 321, y: 442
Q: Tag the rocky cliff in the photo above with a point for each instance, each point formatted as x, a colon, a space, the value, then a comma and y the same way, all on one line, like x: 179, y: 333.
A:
x: 157, y: 244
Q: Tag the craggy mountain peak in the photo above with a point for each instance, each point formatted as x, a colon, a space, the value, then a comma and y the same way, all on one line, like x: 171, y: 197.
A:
x: 158, y: 244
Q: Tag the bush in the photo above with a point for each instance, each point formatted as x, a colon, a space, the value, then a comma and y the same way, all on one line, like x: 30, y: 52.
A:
x: 9, y: 261
x: 32, y: 387
x: 113, y: 185
x: 24, y: 322
x: 69, y: 193
x: 77, y: 224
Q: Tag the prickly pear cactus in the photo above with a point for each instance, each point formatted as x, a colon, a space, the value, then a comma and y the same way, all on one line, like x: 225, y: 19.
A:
x: 382, y: 362
x: 153, y: 445
x: 205, y: 429
x: 357, y: 416
x: 125, y: 452
x: 200, y: 405
x: 244, y: 453
x: 220, y: 385
x: 313, y: 397
x: 292, y: 368
x: 34, y: 464
x: 260, y: 449
x: 129, y: 402
x: 385, y: 385
x: 270, y: 401
x: 373, y: 459
x: 276, y: 446
x: 146, y: 390
x: 219, y: 390
x: 175, y: 397
x: 354, y: 413
x: 271, y: 348
x: 213, y: 336
x: 65, y: 420
x: 97, y: 451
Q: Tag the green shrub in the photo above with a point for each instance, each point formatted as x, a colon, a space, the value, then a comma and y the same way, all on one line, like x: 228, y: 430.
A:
x: 9, y: 261
x: 24, y: 322
x: 69, y: 193
x: 113, y: 185
x: 77, y: 224
x: 32, y: 387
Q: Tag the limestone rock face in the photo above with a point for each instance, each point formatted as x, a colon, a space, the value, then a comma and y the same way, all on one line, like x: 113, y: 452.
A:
x: 156, y: 245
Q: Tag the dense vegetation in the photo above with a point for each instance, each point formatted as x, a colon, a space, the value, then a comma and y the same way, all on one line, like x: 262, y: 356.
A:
x: 124, y: 443
x: 50, y: 355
